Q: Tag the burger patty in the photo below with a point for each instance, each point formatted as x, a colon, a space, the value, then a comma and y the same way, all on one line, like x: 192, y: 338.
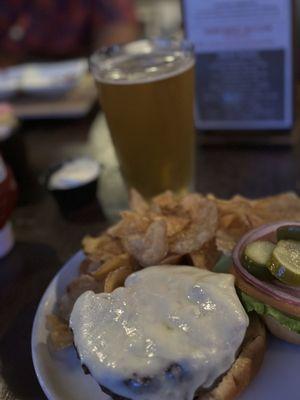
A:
x: 138, y: 384
x: 144, y: 384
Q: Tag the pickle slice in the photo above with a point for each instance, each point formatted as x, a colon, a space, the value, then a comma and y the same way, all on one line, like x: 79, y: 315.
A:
x: 285, y: 262
x: 288, y: 232
x: 256, y: 257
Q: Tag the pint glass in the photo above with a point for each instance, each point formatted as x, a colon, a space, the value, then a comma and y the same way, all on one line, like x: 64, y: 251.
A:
x: 146, y: 89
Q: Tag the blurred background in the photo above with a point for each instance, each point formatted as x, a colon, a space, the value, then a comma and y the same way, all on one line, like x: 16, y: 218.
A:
x: 49, y: 111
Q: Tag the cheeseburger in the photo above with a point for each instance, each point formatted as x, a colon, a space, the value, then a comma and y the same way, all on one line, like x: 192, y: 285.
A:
x: 172, y: 332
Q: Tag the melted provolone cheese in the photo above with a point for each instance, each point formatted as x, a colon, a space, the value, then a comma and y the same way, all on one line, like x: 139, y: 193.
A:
x: 169, y: 331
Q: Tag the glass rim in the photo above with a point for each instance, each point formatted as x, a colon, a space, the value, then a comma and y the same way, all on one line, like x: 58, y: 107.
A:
x: 137, y: 47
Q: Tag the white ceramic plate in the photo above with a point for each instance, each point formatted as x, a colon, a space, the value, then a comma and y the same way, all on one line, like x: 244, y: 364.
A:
x: 62, y: 378
x: 53, y: 78
x: 42, y: 79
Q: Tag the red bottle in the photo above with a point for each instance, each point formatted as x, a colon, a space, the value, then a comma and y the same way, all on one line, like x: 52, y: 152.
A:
x: 8, y: 199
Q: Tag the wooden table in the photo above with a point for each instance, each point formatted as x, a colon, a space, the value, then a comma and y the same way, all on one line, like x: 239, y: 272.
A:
x: 44, y: 240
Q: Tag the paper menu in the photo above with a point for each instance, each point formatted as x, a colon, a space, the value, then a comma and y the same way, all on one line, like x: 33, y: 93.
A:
x: 244, y: 68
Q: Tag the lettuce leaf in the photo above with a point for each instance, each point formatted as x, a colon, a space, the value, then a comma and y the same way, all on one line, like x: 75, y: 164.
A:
x: 252, y: 304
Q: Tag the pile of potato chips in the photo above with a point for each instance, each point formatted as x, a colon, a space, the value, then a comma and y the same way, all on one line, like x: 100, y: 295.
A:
x: 190, y: 230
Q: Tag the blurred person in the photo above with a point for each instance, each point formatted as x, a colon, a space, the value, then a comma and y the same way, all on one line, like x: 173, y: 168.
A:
x: 36, y: 29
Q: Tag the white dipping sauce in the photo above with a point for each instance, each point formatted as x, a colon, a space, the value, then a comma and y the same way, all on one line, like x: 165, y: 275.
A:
x: 74, y: 173
x: 178, y: 327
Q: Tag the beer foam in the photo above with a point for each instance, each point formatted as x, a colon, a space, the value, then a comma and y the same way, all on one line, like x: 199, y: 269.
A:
x: 143, y: 68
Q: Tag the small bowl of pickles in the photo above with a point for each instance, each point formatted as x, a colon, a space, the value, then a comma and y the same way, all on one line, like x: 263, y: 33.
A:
x: 266, y: 266
x: 272, y: 253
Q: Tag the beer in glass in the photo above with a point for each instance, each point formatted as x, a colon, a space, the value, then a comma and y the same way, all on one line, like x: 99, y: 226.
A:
x: 146, y: 90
